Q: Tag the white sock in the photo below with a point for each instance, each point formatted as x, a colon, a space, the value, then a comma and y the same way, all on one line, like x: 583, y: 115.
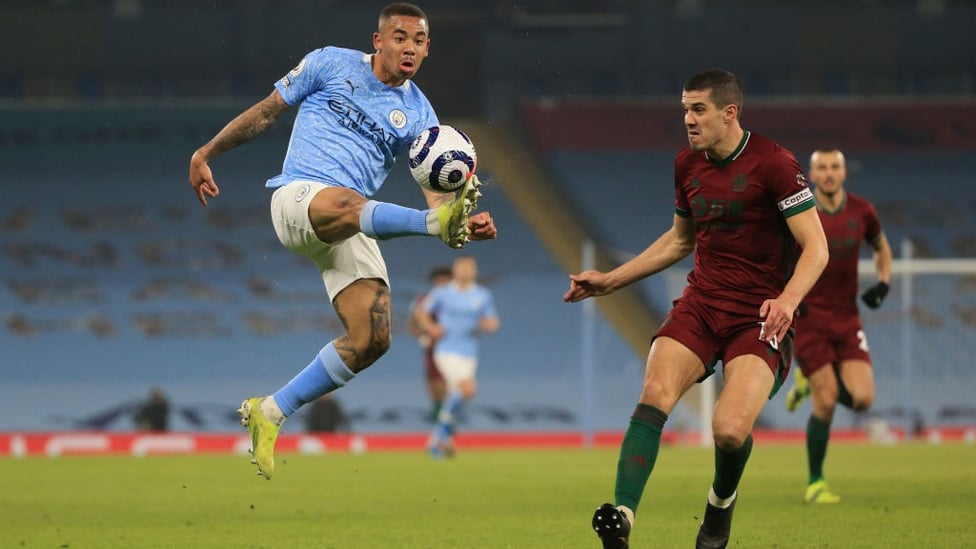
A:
x: 433, y: 224
x: 716, y: 501
x: 627, y: 513
x: 271, y: 410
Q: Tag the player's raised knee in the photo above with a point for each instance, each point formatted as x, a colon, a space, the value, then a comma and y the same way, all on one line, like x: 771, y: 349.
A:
x: 334, y: 213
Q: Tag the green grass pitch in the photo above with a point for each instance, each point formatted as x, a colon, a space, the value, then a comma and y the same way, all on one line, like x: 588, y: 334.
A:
x: 913, y: 495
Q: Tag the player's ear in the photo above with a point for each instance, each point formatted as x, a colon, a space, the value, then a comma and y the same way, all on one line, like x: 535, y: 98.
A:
x: 377, y: 42
x: 731, y: 113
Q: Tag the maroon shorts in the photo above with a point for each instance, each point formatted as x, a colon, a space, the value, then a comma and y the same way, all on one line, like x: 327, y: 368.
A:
x: 715, y: 335
x: 431, y: 373
x: 824, y: 340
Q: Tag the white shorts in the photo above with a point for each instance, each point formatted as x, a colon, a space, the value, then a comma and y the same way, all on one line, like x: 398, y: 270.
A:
x: 341, y: 263
x: 455, y: 368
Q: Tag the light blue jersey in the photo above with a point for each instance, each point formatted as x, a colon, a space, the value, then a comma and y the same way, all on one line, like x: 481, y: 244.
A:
x: 459, y: 312
x: 350, y: 127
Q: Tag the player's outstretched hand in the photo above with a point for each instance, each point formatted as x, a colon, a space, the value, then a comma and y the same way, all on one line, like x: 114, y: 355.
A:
x: 586, y: 284
x: 201, y: 178
x: 482, y: 227
x: 875, y: 295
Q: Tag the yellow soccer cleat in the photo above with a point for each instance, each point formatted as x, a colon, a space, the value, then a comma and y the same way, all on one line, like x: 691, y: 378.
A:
x: 453, y: 215
x: 798, y: 392
x: 819, y: 492
x: 264, y: 433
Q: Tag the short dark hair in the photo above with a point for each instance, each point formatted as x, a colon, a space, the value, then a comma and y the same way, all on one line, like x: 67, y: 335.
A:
x: 401, y: 8
x: 724, y: 87
x: 439, y: 271
x: 828, y: 149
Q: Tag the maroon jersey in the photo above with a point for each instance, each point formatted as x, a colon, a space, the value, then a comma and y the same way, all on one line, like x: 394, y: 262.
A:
x: 745, y: 252
x: 430, y: 367
x: 854, y: 222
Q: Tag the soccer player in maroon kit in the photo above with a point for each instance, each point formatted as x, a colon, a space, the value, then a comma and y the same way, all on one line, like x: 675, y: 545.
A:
x: 436, y: 388
x: 742, y: 205
x: 831, y: 348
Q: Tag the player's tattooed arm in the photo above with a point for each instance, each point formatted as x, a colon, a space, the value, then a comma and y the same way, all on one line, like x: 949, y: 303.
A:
x: 247, y: 125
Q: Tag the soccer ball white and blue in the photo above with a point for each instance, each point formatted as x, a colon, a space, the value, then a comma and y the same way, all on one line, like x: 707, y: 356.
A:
x: 442, y: 158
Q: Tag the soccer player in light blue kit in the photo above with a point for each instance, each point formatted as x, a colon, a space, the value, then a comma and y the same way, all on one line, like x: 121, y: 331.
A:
x: 357, y: 112
x: 464, y: 310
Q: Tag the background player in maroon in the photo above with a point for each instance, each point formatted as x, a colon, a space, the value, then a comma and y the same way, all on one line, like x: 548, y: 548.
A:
x: 436, y: 387
x: 831, y: 348
x: 742, y: 205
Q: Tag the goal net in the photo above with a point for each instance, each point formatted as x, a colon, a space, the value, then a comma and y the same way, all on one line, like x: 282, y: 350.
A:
x: 923, y: 341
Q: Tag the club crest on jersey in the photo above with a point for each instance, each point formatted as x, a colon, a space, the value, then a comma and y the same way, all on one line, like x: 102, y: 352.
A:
x: 801, y: 179
x: 398, y: 118
x: 286, y: 80
x: 302, y: 192
x: 298, y: 69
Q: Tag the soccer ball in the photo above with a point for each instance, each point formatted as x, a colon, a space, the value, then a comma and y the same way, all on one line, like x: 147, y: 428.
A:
x: 442, y: 158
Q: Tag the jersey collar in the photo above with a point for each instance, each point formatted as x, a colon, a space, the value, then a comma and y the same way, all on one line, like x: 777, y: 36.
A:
x: 735, y: 154
x: 368, y: 60
x: 840, y: 207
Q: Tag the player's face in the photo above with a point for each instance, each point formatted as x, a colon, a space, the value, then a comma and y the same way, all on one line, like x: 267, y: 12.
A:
x: 828, y: 171
x: 401, y: 44
x: 465, y: 269
x: 705, y: 121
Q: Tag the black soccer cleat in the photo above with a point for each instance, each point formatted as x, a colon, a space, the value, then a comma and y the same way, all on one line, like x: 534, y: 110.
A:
x: 716, y: 526
x: 612, y: 526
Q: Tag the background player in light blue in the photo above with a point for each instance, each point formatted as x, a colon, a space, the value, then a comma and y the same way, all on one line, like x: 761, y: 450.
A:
x: 464, y: 310
x: 357, y: 112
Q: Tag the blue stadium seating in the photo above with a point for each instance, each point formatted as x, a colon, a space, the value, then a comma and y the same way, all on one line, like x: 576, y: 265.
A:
x: 115, y: 280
